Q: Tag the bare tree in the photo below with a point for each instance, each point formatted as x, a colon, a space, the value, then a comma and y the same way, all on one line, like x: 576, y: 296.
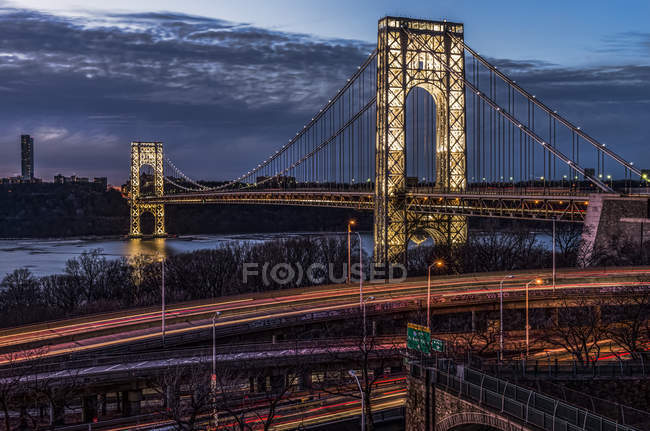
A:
x: 579, y: 327
x: 368, y: 357
x: 186, y: 393
x: 629, y: 320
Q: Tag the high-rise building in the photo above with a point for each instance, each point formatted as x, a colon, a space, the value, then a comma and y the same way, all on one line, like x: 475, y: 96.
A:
x: 27, y: 157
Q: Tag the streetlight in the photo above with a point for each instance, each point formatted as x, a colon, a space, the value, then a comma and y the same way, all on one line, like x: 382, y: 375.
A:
x: 554, y: 219
x: 537, y: 281
x: 162, y: 294
x: 370, y: 298
x: 350, y: 224
x: 363, y: 416
x: 360, y: 266
x: 213, y: 381
x: 501, y: 316
x: 439, y: 264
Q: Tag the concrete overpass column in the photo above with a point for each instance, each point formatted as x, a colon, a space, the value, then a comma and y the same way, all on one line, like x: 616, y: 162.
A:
x: 598, y: 314
x: 88, y: 408
x: 473, y: 320
x: 278, y: 382
x: 305, y: 380
x: 57, y: 412
x: 104, y: 402
x: 131, y: 402
x: 260, y: 384
x: 556, y: 316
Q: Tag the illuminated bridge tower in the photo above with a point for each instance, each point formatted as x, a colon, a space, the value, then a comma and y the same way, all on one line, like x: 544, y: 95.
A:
x: 430, y: 55
x: 151, y: 154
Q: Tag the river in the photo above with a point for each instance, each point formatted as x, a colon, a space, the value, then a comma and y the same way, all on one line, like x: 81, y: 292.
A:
x: 48, y: 256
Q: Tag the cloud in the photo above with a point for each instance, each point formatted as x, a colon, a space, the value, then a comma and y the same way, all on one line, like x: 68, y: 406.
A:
x: 221, y: 95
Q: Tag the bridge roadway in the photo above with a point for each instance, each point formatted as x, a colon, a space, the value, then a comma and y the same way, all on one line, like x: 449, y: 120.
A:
x: 264, y: 311
x: 528, y: 203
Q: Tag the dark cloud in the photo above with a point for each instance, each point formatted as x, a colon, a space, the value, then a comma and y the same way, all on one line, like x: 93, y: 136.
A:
x: 628, y: 43
x: 221, y: 95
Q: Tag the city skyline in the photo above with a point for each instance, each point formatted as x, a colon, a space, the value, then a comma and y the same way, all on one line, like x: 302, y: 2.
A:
x: 216, y: 91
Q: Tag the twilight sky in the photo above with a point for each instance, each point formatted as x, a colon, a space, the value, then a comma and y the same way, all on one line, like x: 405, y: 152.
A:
x: 224, y: 83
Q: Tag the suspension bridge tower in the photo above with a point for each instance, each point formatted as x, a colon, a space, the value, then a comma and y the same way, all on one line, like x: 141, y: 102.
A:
x: 430, y: 55
x: 146, y: 154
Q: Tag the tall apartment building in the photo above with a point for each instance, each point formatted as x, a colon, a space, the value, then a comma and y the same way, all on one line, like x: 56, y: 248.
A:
x: 27, y: 157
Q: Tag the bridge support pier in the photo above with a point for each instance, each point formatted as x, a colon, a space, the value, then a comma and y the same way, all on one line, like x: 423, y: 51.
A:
x: 305, y: 380
x: 612, y: 223
x: 278, y: 382
x: 57, y: 412
x: 410, y: 54
x: 89, y: 408
x: 131, y: 402
x: 149, y: 154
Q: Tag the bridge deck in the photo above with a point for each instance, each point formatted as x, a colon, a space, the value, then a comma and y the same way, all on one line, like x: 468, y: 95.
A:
x: 566, y: 207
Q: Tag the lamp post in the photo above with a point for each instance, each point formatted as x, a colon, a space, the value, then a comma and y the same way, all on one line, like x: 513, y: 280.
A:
x: 363, y: 414
x: 554, y: 219
x: 350, y: 224
x: 162, y: 294
x: 438, y: 263
x: 360, y: 267
x: 501, y: 316
x: 536, y: 281
x: 363, y: 305
x: 213, y: 378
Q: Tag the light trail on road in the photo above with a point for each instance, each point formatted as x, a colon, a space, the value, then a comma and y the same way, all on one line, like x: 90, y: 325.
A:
x: 101, y: 331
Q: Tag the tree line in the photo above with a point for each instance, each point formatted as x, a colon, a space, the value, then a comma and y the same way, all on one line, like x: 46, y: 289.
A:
x: 92, y: 283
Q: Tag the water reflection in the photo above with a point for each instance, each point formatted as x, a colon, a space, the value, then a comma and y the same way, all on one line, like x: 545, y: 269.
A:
x: 148, y: 247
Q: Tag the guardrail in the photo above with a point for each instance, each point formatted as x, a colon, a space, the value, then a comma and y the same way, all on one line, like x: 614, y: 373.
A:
x: 569, y: 370
x: 524, y: 405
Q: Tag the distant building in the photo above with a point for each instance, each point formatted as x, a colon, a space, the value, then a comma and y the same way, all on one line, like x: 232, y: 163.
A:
x: 101, y: 181
x: 27, y: 157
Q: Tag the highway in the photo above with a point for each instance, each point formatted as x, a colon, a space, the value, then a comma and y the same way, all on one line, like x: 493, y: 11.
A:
x: 256, y: 310
x: 300, y: 409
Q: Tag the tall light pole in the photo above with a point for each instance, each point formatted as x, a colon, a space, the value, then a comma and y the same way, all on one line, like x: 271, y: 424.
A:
x: 438, y: 263
x: 501, y: 316
x: 162, y: 289
x: 536, y: 281
x: 360, y: 266
x: 350, y: 224
x: 554, y: 218
x: 213, y: 378
x: 363, y: 414
x: 370, y: 298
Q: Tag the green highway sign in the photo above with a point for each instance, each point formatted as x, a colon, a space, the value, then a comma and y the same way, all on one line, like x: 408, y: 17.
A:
x: 437, y: 345
x: 418, y: 338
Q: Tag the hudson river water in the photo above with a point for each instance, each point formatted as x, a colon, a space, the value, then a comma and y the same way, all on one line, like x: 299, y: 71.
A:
x: 48, y: 256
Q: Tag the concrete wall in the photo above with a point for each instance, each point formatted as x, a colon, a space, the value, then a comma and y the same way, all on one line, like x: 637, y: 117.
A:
x: 431, y: 409
x: 614, y: 220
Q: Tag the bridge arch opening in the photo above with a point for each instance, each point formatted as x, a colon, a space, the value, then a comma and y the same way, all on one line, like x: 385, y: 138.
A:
x: 424, y: 140
x: 147, y: 223
x: 474, y: 427
x: 147, y: 177
x: 421, y: 137
x: 475, y: 421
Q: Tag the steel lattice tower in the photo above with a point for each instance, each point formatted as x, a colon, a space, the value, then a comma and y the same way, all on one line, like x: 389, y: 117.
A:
x: 410, y: 54
x: 151, y: 154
